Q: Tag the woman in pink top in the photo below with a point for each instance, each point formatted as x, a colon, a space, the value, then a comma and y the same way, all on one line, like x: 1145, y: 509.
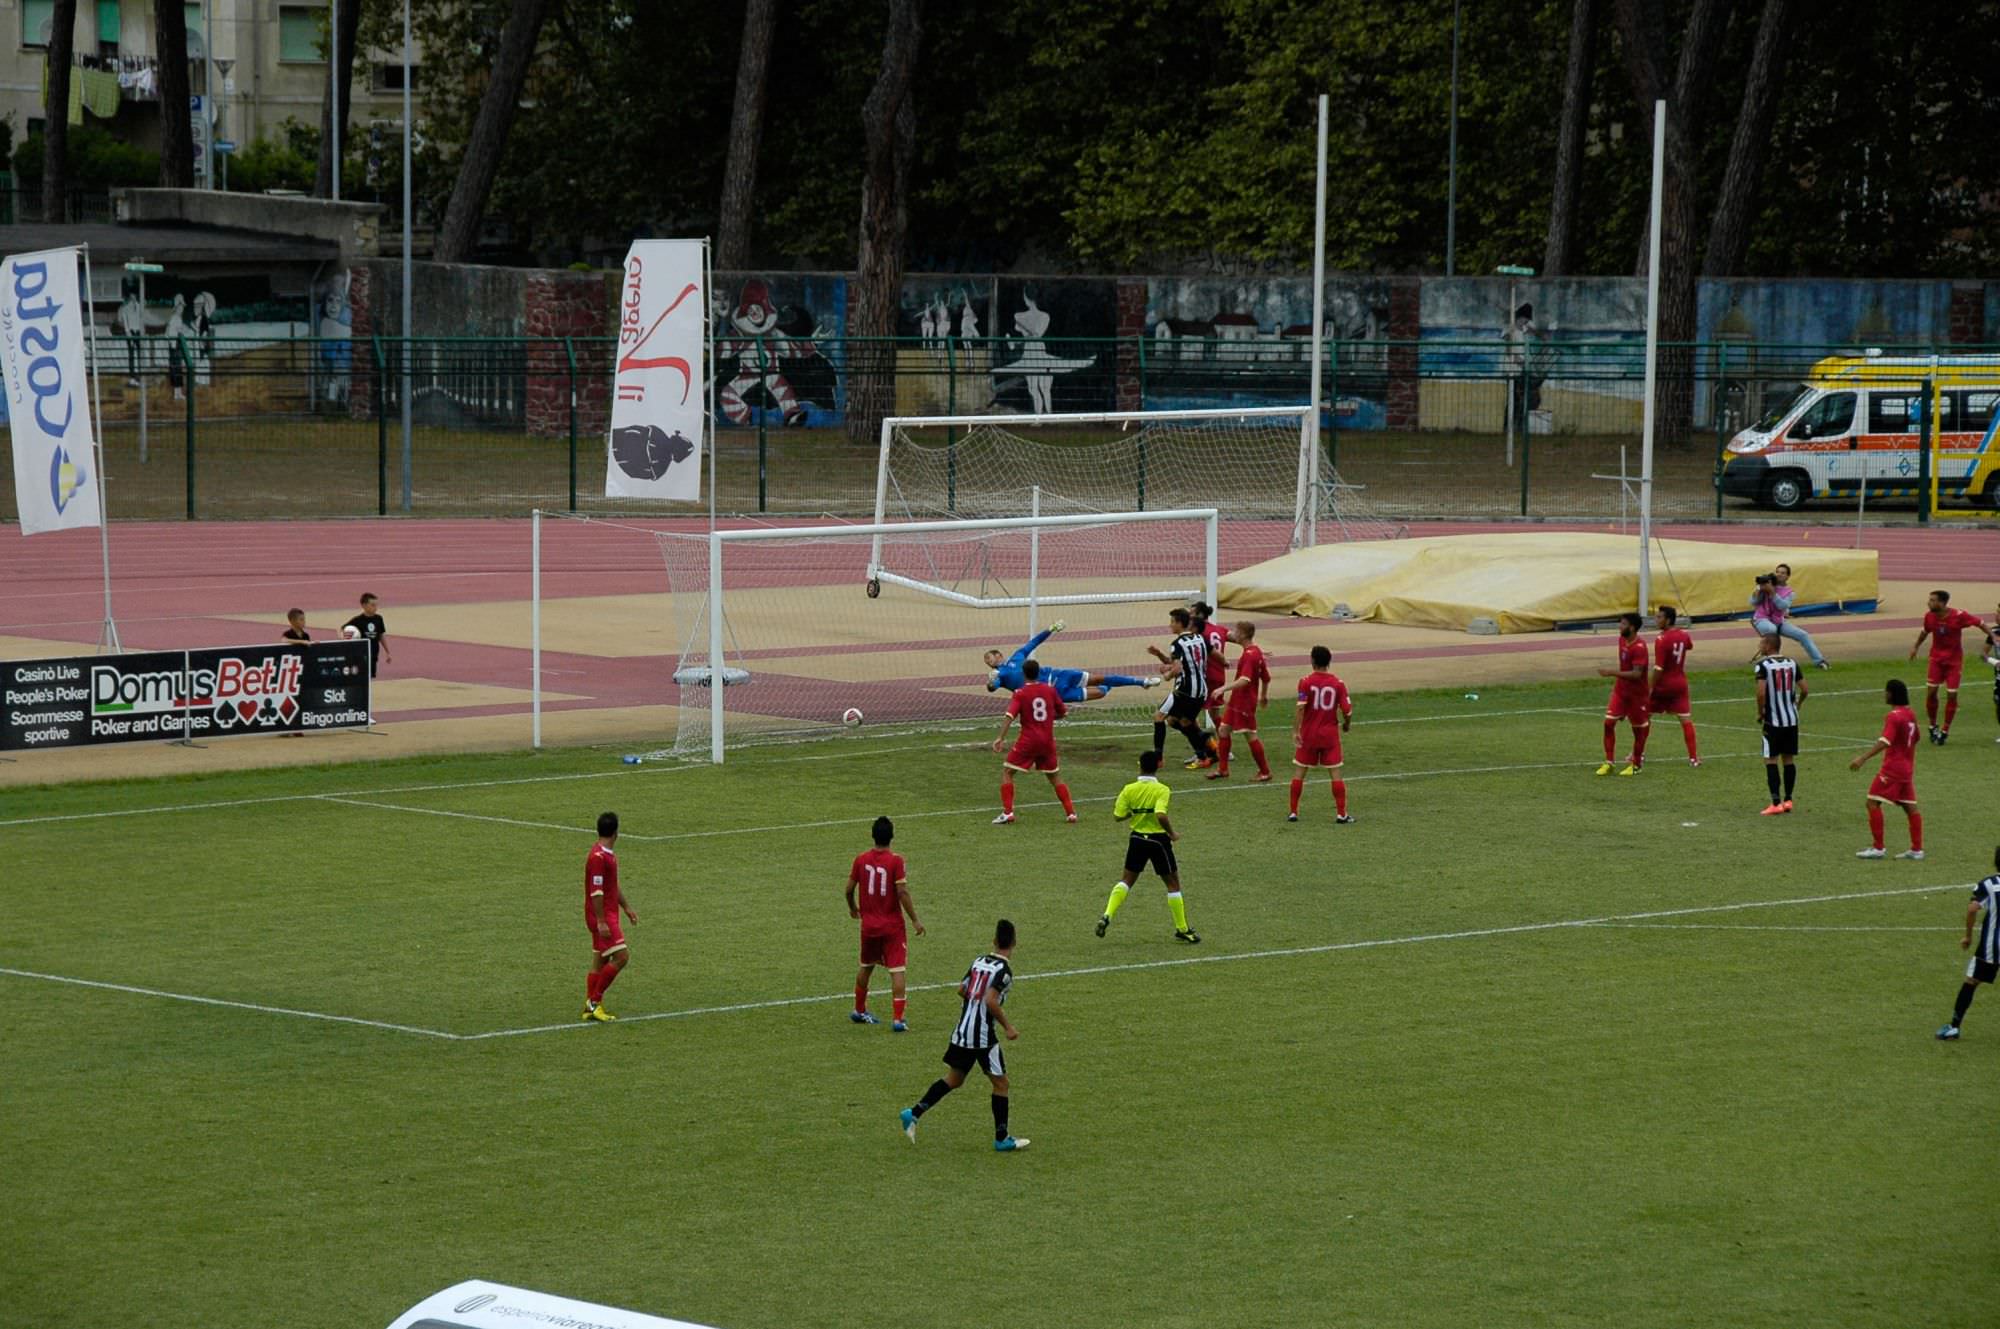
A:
x: 1771, y: 611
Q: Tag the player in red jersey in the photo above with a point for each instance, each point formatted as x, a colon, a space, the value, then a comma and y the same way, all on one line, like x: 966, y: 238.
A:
x: 879, y: 876
x: 1629, y: 696
x: 601, y: 902
x: 1324, y: 712
x: 1670, y: 680
x: 1896, y: 781
x: 1216, y: 638
x: 1038, y: 707
x: 1250, y: 690
x: 1945, y: 627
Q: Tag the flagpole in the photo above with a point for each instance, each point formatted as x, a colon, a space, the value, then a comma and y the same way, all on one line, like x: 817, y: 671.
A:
x: 708, y: 367
x: 107, y: 637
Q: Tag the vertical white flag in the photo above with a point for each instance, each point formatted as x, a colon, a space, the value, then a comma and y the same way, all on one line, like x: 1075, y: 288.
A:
x: 48, y: 399
x: 658, y: 401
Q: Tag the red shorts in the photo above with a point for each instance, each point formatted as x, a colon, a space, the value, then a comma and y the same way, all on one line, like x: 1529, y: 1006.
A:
x: 1946, y: 669
x: 1320, y: 756
x: 1032, y: 755
x: 1628, y: 706
x: 1241, y: 715
x: 615, y: 943
x: 1894, y: 786
x: 1670, y: 701
x: 891, y: 949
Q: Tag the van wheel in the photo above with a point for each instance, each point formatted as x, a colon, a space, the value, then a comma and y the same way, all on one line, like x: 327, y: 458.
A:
x: 1990, y: 496
x: 1786, y: 491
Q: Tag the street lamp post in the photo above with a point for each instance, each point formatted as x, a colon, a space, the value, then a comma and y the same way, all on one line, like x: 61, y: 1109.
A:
x: 1451, y: 176
x: 407, y: 267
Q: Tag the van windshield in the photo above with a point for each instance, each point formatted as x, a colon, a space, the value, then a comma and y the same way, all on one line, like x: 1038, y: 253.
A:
x: 1773, y: 418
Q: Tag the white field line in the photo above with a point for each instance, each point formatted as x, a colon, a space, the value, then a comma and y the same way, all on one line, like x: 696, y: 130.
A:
x: 232, y: 1005
x: 466, y: 816
x: 1326, y: 948
x: 1759, y: 927
x: 1182, y: 961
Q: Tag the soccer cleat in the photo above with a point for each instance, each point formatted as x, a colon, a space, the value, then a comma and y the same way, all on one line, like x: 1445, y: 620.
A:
x: 1948, y: 1034
x: 1057, y: 626
x: 1944, y: 736
x: 898, y: 1027
x: 1822, y: 664
x: 862, y: 1017
x: 1218, y: 774
x: 1605, y: 769
x: 1069, y: 817
x: 1004, y: 819
x: 599, y: 1013
x: 1150, y: 681
x: 1011, y: 1144
x: 1264, y: 777
x: 1914, y: 855
x: 1870, y: 853
x: 1775, y: 810
x: 1343, y: 819
x: 1291, y: 816
x: 1631, y: 768
x: 1934, y: 736
x: 587, y: 1009
x: 1102, y: 924
x: 1788, y: 805
x: 910, y: 1125
x: 1197, y: 763
x: 1694, y: 761
x: 1188, y: 935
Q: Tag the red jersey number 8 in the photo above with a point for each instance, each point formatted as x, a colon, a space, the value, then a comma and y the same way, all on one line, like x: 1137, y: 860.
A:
x: 1039, y: 708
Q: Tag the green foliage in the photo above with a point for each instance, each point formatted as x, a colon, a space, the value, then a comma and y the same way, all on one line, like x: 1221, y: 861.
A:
x: 285, y: 160
x: 97, y: 160
x: 1390, y: 1120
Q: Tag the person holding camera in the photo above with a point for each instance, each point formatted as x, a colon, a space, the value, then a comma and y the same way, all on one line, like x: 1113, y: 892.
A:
x: 1771, y: 612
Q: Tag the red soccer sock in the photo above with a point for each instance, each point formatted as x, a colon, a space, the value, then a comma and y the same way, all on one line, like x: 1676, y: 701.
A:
x: 1340, y: 797
x: 1687, y: 732
x: 1875, y: 823
x: 591, y: 991
x: 860, y: 996
x: 896, y: 1005
x: 1610, y: 740
x: 1007, y: 797
x: 1639, y: 737
x: 1222, y: 753
x: 605, y: 977
x: 1257, y: 751
x: 1298, y: 787
x: 1930, y: 706
x: 1062, y: 794
x: 1916, y: 830
x: 1950, y: 708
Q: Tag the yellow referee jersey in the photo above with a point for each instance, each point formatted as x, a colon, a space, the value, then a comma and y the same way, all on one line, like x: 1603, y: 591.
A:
x: 1144, y: 800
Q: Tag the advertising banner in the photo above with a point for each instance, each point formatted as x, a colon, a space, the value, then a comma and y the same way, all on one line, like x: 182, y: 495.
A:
x: 48, y: 398
x: 657, y: 398
x: 86, y: 700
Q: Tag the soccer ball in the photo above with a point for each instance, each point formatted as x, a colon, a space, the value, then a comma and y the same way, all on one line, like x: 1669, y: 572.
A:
x: 350, y: 632
x: 851, y: 716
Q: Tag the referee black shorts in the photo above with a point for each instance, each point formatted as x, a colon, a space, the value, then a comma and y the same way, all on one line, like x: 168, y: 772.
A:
x: 1152, y: 848
x: 1781, y: 741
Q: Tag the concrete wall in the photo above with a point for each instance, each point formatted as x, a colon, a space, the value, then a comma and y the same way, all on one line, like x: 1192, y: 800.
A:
x: 355, y: 227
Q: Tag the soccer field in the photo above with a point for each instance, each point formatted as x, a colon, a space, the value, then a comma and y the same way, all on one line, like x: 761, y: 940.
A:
x: 1522, y: 1046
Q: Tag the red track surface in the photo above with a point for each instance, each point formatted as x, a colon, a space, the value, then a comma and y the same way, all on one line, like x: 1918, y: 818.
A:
x: 173, y: 583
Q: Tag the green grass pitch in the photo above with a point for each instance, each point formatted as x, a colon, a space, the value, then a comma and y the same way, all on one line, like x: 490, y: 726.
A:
x: 1522, y: 1046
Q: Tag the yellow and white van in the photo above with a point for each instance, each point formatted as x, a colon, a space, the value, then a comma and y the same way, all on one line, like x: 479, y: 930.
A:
x: 1856, y: 422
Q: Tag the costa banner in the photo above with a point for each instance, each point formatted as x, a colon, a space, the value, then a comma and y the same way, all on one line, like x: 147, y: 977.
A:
x: 48, y: 399
x: 657, y: 399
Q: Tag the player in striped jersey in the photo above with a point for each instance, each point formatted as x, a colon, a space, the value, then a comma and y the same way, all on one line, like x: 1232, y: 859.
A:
x: 1984, y: 910
x: 975, y: 1043
x: 1187, y: 665
x: 1780, y: 690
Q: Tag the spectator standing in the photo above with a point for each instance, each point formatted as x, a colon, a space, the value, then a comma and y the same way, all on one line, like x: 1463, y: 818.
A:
x: 369, y: 624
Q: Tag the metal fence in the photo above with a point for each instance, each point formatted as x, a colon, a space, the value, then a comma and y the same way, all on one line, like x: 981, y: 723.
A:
x: 223, y: 427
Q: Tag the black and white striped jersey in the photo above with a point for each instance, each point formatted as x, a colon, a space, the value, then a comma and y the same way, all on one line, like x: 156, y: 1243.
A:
x: 1986, y: 895
x: 1780, y: 676
x: 1191, y: 654
x: 976, y: 1026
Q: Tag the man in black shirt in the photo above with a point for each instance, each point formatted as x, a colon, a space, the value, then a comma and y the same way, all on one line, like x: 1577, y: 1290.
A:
x: 368, y: 623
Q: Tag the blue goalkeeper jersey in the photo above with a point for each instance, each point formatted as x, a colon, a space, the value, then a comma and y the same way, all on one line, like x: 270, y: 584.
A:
x: 1008, y: 675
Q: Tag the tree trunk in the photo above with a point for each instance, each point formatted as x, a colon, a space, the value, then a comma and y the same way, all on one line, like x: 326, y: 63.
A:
x: 889, y: 123
x: 339, y: 80
x: 170, y: 40
x: 746, y: 137
x: 1557, y: 255
x: 55, y: 125
x: 488, y: 140
x: 1729, y: 228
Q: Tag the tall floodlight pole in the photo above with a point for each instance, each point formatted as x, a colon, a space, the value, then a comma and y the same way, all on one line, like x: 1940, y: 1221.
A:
x: 208, y: 92
x: 408, y: 270
x: 333, y: 91
x: 1451, y: 169
x: 1311, y: 533
x: 1652, y: 360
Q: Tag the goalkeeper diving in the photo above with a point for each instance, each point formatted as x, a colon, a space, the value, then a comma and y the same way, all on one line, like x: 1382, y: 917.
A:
x: 1072, y: 685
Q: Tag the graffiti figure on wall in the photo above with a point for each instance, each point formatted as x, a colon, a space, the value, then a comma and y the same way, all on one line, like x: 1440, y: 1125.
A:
x: 1032, y: 363
x: 777, y: 359
x: 198, y: 327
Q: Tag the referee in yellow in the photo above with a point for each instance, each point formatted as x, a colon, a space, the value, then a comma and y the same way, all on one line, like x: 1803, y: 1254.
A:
x: 1144, y: 804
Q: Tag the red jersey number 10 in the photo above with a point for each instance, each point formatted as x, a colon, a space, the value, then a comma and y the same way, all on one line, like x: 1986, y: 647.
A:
x: 1325, y: 699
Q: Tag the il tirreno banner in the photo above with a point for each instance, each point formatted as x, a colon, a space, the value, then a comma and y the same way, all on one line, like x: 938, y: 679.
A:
x: 657, y: 398
x: 48, y: 399
x: 82, y: 701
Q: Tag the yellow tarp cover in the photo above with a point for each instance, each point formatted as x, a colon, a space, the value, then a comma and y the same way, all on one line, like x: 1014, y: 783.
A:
x: 1531, y: 581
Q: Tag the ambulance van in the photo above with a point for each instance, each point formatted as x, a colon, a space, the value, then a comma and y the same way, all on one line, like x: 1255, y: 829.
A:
x: 1855, y: 421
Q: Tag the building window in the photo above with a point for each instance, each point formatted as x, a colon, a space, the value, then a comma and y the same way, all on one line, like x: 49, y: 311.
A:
x: 37, y: 21
x: 109, y: 23
x: 299, y: 36
x: 389, y: 78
